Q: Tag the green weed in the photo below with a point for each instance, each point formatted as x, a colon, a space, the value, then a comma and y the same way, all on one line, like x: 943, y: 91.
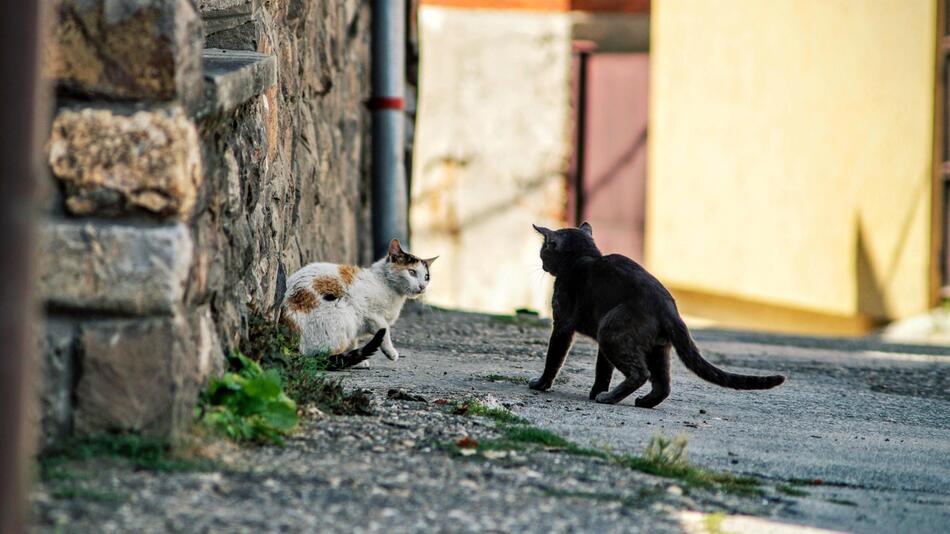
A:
x: 248, y: 403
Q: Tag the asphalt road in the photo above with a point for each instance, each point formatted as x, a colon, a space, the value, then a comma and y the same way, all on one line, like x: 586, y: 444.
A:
x: 862, y: 427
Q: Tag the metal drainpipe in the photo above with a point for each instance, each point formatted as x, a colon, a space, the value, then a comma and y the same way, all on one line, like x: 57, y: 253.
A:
x: 390, y: 198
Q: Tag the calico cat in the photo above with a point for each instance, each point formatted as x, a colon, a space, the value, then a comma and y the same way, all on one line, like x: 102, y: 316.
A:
x: 332, y: 305
x: 631, y: 315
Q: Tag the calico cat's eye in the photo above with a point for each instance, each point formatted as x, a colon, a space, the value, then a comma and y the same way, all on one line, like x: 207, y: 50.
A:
x: 427, y: 277
x: 413, y: 273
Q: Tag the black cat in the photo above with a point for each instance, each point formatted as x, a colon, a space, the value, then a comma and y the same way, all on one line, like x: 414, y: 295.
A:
x: 631, y: 315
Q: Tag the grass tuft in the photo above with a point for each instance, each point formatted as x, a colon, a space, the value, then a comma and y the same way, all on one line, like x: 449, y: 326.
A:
x: 66, y: 467
x: 664, y: 457
x: 791, y: 490
x: 308, y: 383
x: 478, y: 408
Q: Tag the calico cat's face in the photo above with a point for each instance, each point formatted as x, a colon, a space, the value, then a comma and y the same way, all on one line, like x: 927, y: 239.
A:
x: 408, y: 274
x: 562, y: 247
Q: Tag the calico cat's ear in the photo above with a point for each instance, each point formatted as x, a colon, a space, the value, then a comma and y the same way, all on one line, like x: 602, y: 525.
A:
x: 586, y: 228
x: 395, y: 249
x: 542, y: 230
x: 430, y: 261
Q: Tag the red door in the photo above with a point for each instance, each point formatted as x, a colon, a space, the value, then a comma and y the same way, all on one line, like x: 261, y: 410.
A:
x: 610, y: 166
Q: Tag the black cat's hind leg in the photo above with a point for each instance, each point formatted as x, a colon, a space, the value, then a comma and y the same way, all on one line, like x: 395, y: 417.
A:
x: 624, y: 336
x: 602, y: 374
x: 658, y: 363
x: 635, y: 376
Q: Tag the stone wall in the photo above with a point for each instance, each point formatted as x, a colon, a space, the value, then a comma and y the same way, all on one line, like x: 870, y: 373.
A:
x: 200, y: 151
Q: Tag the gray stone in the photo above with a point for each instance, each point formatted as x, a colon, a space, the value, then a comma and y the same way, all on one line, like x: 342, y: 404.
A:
x: 144, y: 375
x: 127, y: 49
x: 57, y: 362
x: 234, y: 77
x: 115, y: 268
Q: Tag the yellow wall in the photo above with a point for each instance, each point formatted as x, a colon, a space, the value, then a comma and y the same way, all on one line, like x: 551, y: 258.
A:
x: 791, y: 152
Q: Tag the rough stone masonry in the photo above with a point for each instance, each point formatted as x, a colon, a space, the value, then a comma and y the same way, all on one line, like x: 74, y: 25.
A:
x: 197, y: 149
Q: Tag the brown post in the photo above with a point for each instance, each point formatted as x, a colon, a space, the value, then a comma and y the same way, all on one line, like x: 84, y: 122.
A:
x: 21, y: 107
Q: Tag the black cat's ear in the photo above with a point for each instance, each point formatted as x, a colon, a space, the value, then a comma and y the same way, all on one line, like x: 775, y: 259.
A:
x: 542, y: 230
x: 586, y: 228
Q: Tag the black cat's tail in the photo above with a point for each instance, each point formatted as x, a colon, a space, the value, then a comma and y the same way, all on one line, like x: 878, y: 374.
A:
x: 694, y: 361
x: 355, y: 356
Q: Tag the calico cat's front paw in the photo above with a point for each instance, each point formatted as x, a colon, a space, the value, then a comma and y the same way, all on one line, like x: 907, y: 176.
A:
x: 392, y: 354
x: 540, y: 384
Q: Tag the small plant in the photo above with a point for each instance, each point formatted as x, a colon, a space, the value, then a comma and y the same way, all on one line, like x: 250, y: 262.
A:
x: 248, y: 404
x: 664, y: 451
x: 304, y: 378
x: 667, y: 457
x: 476, y: 407
x: 308, y: 383
x: 268, y: 342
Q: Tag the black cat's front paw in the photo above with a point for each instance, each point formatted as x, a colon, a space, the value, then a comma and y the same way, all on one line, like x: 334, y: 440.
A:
x: 540, y: 384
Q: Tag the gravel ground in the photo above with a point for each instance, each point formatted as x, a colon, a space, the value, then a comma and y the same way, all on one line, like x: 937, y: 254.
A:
x: 392, y: 471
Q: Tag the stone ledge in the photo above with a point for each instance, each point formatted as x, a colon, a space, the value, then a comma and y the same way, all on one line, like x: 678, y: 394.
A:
x: 232, y: 77
x: 95, y: 266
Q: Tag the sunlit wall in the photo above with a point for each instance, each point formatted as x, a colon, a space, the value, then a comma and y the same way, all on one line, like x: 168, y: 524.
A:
x: 790, y: 157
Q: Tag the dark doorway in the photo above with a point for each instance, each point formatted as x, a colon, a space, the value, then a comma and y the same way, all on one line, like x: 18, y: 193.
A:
x: 608, y: 183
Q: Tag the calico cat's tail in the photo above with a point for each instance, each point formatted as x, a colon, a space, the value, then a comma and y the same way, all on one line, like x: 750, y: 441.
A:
x: 693, y: 360
x: 355, y: 356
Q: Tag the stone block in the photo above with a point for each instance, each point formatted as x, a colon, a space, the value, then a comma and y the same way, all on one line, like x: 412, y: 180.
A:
x: 144, y: 375
x: 219, y: 15
x: 57, y: 367
x: 127, y: 49
x: 111, y: 164
x: 115, y: 268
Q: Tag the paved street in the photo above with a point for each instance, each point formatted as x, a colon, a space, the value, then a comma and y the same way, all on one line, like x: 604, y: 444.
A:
x: 870, y: 421
x: 857, y: 440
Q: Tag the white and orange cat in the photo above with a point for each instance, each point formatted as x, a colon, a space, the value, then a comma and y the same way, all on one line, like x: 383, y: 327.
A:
x: 331, y: 306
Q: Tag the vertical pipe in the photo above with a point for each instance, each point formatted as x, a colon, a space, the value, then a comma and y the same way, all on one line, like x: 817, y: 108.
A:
x: 21, y: 28
x: 390, y: 197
